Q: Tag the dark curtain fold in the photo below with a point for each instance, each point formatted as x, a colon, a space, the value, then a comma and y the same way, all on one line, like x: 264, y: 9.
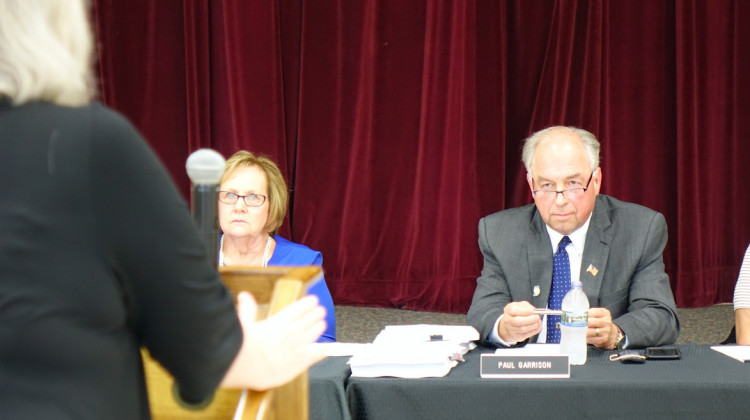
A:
x: 398, y: 124
x: 142, y: 72
x: 197, y: 74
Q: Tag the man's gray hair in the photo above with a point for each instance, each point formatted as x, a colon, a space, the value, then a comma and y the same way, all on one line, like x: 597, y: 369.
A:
x: 590, y: 144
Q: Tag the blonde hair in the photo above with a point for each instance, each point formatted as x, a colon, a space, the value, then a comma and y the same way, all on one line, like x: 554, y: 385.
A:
x: 46, y: 52
x: 278, y: 195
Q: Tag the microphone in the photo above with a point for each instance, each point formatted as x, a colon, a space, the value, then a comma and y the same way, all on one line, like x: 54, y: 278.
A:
x: 205, y: 167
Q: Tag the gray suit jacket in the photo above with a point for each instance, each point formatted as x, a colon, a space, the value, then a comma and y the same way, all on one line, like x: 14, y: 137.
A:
x: 624, y: 243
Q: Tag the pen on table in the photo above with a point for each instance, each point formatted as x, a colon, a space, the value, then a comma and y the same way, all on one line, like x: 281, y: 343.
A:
x: 545, y: 311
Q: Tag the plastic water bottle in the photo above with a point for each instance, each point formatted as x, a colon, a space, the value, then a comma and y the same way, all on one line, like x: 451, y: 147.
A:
x: 574, y: 324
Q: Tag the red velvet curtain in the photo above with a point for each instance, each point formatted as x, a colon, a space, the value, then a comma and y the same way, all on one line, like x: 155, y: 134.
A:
x: 399, y: 123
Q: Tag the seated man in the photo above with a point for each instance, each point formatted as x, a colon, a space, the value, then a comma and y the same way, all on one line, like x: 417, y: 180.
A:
x: 614, y: 248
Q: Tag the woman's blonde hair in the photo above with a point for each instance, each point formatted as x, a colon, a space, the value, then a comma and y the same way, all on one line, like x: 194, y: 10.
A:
x: 46, y: 52
x: 278, y: 195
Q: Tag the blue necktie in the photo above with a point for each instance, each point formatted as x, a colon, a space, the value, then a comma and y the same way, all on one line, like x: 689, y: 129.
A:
x: 560, y: 286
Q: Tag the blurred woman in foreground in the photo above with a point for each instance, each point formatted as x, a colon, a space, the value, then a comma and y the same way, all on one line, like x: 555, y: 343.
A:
x: 98, y: 253
x: 252, y: 204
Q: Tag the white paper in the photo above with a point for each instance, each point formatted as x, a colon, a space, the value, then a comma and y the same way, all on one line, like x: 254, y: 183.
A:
x: 533, y: 349
x: 424, y: 332
x: 413, y: 371
x: 412, y: 360
x: 414, y: 351
x: 344, y: 349
x: 741, y: 353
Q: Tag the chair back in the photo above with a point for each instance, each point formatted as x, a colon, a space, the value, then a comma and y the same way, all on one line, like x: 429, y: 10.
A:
x: 273, y: 288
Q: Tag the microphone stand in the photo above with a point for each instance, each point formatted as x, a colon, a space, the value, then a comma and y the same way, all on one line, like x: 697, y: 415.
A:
x: 205, y: 167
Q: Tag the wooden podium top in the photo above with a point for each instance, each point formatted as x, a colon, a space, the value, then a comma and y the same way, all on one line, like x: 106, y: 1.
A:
x: 273, y: 288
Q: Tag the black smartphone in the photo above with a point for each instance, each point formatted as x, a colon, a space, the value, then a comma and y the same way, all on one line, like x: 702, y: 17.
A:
x: 664, y: 352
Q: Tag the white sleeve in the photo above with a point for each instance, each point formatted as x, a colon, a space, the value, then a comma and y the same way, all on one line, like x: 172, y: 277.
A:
x: 495, y: 338
x: 742, y: 289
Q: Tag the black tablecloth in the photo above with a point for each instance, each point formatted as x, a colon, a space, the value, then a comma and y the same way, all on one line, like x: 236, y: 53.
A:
x: 704, y: 384
x: 328, y: 380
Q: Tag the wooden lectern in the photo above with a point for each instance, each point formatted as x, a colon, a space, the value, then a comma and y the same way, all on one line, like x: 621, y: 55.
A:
x: 273, y: 288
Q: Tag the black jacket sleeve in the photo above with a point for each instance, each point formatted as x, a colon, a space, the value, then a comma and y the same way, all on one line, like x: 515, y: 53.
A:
x: 176, y: 303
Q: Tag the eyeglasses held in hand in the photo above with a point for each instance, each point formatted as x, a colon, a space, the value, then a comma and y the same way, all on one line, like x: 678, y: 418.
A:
x: 251, y: 200
x: 576, y: 190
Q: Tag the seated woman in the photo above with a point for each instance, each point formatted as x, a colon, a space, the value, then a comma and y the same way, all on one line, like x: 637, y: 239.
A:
x: 252, y: 204
x: 742, y: 302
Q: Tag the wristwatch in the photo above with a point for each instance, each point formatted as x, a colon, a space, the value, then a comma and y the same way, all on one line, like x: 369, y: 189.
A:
x: 620, y: 343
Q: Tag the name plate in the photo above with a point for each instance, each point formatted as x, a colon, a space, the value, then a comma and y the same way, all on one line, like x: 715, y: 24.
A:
x: 500, y: 366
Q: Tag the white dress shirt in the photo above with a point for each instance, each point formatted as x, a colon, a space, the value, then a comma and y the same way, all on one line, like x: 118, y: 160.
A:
x: 575, y: 256
x: 742, y: 289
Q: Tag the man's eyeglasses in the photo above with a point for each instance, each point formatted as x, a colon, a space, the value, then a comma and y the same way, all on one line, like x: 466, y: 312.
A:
x: 548, y: 193
x: 251, y: 200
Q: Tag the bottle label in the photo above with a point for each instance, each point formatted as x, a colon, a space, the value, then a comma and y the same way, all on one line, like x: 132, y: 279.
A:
x: 573, y: 319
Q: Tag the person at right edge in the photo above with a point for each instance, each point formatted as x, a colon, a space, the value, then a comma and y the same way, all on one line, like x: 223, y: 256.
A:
x: 99, y: 255
x: 741, y: 332
x: 613, y: 247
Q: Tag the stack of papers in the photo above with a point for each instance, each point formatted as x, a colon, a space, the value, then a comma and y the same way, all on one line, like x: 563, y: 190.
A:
x: 741, y: 353
x: 533, y: 349
x: 414, y: 351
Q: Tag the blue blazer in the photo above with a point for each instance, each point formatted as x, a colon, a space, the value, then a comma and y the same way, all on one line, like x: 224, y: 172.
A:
x: 288, y: 253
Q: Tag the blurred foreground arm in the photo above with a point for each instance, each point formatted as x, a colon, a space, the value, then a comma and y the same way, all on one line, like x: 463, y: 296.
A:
x: 277, y: 349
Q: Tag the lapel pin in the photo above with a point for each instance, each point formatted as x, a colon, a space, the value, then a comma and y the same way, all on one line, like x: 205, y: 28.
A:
x: 537, y: 290
x: 592, y: 270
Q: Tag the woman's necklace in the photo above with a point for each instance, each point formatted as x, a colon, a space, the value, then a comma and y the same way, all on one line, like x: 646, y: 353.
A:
x: 266, y: 257
x: 264, y: 261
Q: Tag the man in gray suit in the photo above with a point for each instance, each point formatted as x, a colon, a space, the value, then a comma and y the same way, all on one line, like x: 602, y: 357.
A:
x: 615, y: 250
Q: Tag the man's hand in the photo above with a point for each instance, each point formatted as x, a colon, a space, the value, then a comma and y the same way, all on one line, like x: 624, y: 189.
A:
x: 602, y: 332
x: 519, y: 322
